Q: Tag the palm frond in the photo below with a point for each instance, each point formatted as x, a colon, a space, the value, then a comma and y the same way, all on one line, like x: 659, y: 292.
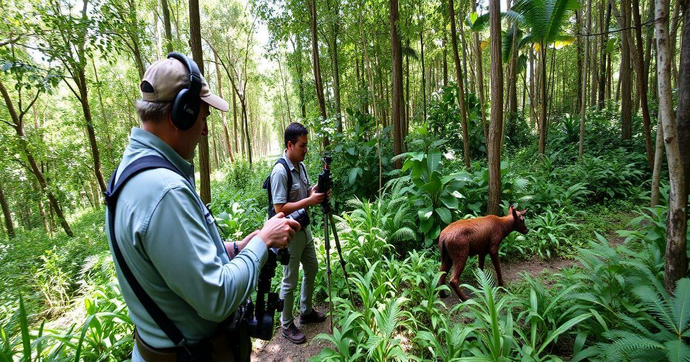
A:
x: 680, y: 306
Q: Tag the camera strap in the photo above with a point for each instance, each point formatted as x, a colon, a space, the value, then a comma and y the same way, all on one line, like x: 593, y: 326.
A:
x: 111, y: 195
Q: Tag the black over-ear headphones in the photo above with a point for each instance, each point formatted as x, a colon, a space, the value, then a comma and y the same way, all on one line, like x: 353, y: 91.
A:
x: 187, y: 103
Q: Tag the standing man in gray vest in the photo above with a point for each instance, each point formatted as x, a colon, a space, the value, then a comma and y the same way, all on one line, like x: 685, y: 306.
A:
x: 302, y: 250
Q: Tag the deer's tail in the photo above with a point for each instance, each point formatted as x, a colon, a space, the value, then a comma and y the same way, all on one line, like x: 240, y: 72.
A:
x: 444, y: 252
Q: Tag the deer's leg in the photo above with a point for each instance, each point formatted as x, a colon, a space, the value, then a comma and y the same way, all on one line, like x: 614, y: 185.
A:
x: 457, y: 270
x: 497, y: 266
x: 481, y: 260
x: 446, y: 264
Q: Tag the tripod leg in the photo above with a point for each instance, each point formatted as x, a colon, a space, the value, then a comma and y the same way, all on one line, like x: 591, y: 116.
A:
x: 327, y: 245
x: 340, y: 254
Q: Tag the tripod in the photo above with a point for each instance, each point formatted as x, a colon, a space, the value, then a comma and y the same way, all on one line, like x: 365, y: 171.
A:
x: 328, y: 216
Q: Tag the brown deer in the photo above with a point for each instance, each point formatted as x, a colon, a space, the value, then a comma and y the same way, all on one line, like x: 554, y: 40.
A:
x: 478, y: 236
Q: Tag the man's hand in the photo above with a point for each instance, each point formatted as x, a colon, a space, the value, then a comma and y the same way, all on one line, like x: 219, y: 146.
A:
x: 315, y: 197
x: 278, y: 231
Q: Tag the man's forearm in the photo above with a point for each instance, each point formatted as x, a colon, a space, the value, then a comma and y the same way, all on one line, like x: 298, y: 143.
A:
x: 290, y: 207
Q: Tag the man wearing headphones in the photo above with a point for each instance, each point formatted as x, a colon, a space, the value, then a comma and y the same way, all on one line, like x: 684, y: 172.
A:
x: 178, y: 278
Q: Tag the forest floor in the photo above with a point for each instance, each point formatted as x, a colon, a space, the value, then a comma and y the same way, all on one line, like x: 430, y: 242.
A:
x: 280, y: 349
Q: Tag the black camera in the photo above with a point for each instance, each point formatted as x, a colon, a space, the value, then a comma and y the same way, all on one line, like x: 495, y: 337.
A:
x: 325, y: 180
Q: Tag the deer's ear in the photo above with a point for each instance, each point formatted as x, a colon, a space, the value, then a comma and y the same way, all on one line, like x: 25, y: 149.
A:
x: 522, y: 212
x: 513, y: 211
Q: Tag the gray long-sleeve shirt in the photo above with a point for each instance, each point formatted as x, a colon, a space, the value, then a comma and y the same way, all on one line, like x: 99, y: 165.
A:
x: 171, y: 244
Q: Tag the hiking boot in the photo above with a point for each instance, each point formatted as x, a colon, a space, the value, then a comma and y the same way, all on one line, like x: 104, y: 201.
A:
x: 313, y: 317
x: 293, y: 334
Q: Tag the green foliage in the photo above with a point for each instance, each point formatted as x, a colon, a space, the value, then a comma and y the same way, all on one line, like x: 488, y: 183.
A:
x: 355, y: 166
x: 434, y: 194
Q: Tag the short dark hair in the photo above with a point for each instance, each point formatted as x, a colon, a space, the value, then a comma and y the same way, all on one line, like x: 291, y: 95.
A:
x: 293, y: 131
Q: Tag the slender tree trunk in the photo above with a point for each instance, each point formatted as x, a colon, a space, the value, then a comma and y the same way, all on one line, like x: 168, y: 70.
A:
x: 41, y: 206
x: 396, y: 60
x: 624, y: 74
x: 246, y: 129
x: 461, y: 90
x: 166, y: 23
x: 543, y: 101
x: 300, y: 76
x: 642, y: 81
x: 370, y: 75
x: 335, y: 29
x: 445, y: 60
x: 238, y: 144
x: 480, y: 76
x: 656, y: 172
x: 406, y: 104
x: 494, y: 142
x: 197, y: 54
x: 683, y: 113
x: 226, y: 132
x: 6, y: 213
x: 421, y: 46
x: 83, y: 94
x: 317, y: 67
x: 109, y: 145
x: 675, y: 21
x: 602, y: 69
x: 578, y: 30
x: 676, y: 264
x: 583, y: 105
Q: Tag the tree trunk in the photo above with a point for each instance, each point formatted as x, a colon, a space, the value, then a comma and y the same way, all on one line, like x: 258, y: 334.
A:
x: 683, y: 115
x: 656, y: 172
x: 461, y: 90
x: 583, y: 89
x: 676, y: 263
x: 642, y: 81
x: 602, y: 69
x: 317, y: 67
x: 226, y: 133
x: 370, y: 75
x: 197, y: 54
x: 543, y: 101
x: 494, y: 141
x: 335, y: 30
x: 238, y: 144
x: 421, y: 46
x: 300, y: 77
x: 6, y: 213
x: 109, y: 145
x: 445, y: 60
x: 166, y: 23
x: 578, y: 30
x: 480, y: 76
x: 675, y: 21
x: 396, y: 75
x: 246, y: 129
x: 86, y: 109
x: 625, y: 77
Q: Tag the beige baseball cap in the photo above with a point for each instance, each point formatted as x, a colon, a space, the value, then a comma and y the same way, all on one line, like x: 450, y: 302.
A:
x: 166, y: 77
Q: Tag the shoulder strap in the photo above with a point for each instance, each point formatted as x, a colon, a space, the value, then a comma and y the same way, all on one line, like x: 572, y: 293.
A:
x: 111, y: 195
x: 267, y: 185
x: 287, y: 171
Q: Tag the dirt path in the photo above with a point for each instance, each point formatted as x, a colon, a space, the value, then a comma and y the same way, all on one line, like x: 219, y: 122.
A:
x: 280, y: 349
